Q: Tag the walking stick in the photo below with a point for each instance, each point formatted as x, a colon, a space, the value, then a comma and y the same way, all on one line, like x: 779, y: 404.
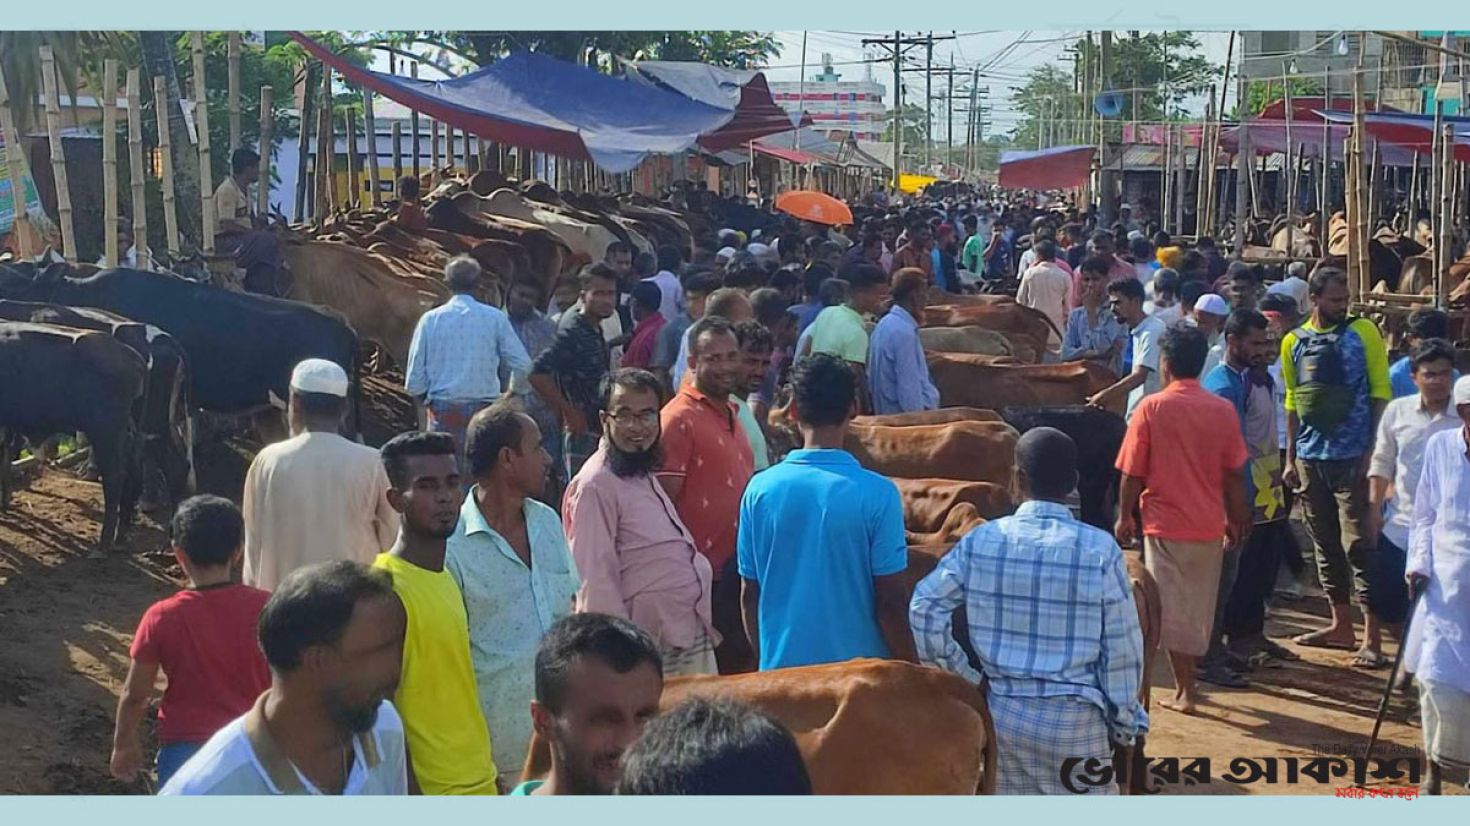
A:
x: 1398, y: 660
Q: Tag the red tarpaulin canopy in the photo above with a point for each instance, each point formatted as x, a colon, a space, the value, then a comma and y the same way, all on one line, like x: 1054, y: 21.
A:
x: 1061, y: 167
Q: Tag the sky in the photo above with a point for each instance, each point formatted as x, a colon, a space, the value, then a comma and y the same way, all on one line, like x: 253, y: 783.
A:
x: 1005, y: 56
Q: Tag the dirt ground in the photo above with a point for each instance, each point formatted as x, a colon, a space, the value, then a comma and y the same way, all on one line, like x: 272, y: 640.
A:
x: 68, y: 620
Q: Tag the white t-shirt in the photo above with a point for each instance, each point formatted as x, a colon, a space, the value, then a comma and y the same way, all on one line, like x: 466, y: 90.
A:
x: 1146, y: 338
x: 230, y: 764
x: 671, y: 293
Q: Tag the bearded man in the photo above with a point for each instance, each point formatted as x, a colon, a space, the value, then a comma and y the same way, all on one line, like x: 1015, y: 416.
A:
x: 636, y: 558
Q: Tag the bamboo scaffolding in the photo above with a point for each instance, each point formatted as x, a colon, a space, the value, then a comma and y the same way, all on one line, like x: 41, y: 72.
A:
x: 58, y: 154
x: 267, y: 152
x: 109, y: 162
x: 370, y: 130
x: 15, y: 167
x: 161, y: 105
x: 201, y: 120
x: 135, y: 170
x: 232, y: 53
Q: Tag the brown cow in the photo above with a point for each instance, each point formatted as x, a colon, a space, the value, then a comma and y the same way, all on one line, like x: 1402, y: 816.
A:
x: 863, y: 726
x: 926, y: 502
x: 943, y: 415
x: 381, y: 306
x: 976, y: 340
x: 1004, y: 318
x: 965, y: 380
x: 960, y: 520
x: 967, y: 451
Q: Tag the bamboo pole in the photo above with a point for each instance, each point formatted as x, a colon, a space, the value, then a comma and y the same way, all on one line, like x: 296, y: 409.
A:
x: 1359, y: 228
x: 1350, y: 182
x: 370, y: 129
x: 201, y: 119
x: 267, y: 152
x: 232, y: 52
x: 1164, y: 176
x: 1446, y: 207
x: 354, y: 181
x: 109, y: 162
x: 397, y: 152
x: 449, y: 139
x: 303, y: 143
x: 1436, y: 179
x: 20, y: 231
x: 1413, y: 195
x: 135, y: 170
x: 1324, y: 157
x: 161, y: 104
x: 1290, y: 169
x: 413, y: 123
x: 324, y: 139
x: 58, y: 154
x: 434, y: 161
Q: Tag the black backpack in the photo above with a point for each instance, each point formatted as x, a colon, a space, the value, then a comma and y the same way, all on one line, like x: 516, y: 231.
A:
x: 1323, y: 397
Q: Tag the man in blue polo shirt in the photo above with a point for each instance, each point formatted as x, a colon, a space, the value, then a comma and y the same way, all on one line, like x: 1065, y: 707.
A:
x: 821, y: 546
x: 1423, y: 325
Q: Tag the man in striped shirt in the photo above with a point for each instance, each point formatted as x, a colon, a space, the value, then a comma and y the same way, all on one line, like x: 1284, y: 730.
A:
x: 1052, y: 619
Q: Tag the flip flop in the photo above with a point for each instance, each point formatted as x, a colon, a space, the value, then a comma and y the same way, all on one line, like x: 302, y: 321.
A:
x: 1370, y: 660
x: 1318, y: 639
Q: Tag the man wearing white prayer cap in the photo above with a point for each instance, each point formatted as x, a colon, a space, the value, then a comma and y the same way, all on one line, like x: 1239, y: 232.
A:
x: 317, y: 496
x: 1438, y: 574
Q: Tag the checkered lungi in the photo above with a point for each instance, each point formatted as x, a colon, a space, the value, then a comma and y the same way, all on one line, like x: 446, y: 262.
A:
x: 1445, y: 713
x: 1035, y: 735
x: 454, y: 418
x: 698, y: 658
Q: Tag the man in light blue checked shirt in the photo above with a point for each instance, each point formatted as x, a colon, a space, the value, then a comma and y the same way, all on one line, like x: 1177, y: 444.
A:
x: 1052, y: 619
x: 454, y: 359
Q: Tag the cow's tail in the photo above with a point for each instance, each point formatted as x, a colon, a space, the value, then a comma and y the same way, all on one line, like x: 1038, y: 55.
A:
x: 975, y: 698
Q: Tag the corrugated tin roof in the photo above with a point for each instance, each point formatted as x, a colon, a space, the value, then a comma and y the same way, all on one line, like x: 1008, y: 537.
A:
x: 1144, y: 157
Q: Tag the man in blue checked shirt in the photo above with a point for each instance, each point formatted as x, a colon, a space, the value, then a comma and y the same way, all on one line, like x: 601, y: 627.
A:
x: 455, y: 356
x: 1052, y: 618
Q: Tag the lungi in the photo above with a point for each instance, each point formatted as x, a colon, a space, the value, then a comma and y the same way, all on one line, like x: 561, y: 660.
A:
x: 698, y: 658
x: 1034, y: 736
x: 1188, y: 574
x: 454, y: 418
x: 1445, y: 713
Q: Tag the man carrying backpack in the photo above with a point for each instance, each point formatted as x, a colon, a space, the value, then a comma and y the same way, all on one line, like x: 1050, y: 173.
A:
x: 1335, y: 368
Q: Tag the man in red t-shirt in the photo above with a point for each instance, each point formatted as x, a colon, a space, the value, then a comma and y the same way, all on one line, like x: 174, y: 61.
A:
x: 707, y: 462
x: 203, y: 638
x: 1183, y: 462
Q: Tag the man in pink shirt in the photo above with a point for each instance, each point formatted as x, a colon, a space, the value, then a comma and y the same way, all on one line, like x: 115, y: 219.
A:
x: 636, y: 559
x: 1048, y: 288
x: 1183, y: 464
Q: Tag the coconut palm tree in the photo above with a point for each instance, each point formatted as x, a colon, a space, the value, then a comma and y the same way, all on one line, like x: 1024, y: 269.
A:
x: 78, y: 54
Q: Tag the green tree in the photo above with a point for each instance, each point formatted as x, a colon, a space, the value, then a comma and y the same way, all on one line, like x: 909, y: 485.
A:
x: 1262, y: 93
x: 1048, y: 108
x: 77, y: 53
x: 911, y: 118
x: 734, y: 49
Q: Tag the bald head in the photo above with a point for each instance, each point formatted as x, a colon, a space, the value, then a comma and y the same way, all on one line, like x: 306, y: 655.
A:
x: 1046, y: 459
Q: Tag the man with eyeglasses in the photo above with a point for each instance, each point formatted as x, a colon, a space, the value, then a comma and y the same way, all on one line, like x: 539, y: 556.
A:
x: 636, y: 558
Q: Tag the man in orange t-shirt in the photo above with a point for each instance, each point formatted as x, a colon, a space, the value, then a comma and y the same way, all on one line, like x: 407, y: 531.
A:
x: 1182, y: 464
x: 706, y: 465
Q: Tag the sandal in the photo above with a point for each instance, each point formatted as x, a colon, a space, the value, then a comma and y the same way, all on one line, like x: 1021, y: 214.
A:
x: 1279, y: 652
x: 1264, y: 659
x: 1319, y: 639
x: 1366, y: 658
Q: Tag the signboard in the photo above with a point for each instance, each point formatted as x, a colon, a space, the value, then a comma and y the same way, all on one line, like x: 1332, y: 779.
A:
x: 7, y: 201
x: 1154, y: 133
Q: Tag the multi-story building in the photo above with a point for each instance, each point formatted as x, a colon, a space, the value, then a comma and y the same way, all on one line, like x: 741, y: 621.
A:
x: 1310, y: 54
x: 836, y: 104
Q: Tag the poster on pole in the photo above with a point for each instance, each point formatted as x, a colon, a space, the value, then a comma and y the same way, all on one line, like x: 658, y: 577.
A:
x: 7, y: 201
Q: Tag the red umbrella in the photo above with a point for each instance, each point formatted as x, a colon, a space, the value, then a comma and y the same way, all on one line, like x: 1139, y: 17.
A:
x: 817, y: 207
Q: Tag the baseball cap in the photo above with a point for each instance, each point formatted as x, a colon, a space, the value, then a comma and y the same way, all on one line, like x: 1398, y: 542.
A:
x: 319, y: 376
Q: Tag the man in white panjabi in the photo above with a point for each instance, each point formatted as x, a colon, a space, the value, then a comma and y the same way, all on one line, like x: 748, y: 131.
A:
x: 317, y: 496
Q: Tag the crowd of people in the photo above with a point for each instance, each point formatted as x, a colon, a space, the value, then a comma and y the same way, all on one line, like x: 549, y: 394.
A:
x: 598, y: 498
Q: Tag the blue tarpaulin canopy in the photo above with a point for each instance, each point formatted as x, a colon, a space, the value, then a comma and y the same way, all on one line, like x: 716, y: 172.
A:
x: 532, y: 100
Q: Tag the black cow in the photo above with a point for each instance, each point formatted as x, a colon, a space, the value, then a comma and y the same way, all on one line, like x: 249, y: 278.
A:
x: 65, y: 380
x: 1099, y: 437
x: 163, y: 413
x: 241, y: 347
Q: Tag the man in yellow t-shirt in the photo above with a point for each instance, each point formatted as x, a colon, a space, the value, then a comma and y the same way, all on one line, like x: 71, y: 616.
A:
x: 448, y: 741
